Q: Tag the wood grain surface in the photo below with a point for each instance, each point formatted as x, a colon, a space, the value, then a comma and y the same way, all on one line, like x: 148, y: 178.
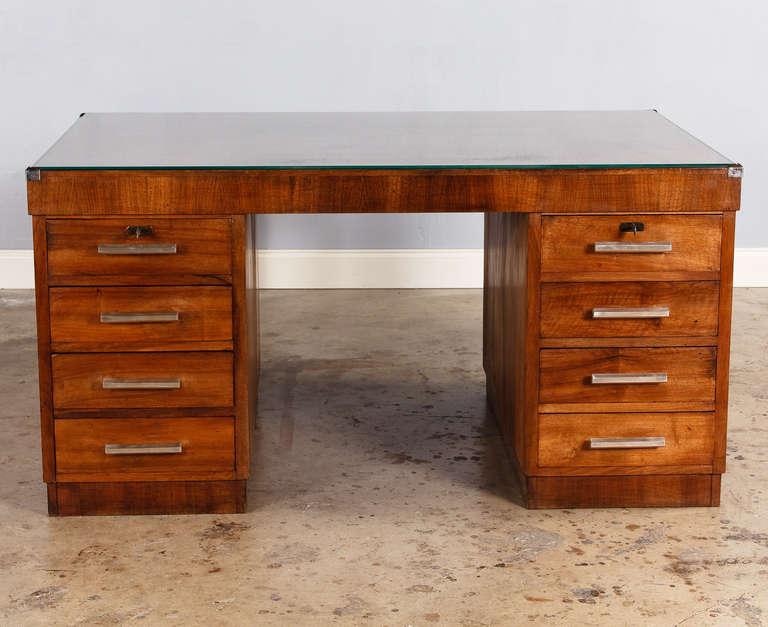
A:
x: 146, y: 497
x: 566, y: 309
x: 568, y: 243
x: 206, y: 380
x: 572, y: 190
x: 204, y: 318
x: 566, y: 375
x: 204, y: 252
x: 208, y: 449
x: 564, y: 439
x: 674, y: 490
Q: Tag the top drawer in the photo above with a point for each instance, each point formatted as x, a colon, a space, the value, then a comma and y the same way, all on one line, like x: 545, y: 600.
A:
x: 166, y: 251
x: 681, y: 243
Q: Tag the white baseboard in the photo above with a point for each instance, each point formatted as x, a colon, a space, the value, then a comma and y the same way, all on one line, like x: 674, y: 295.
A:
x: 750, y: 267
x: 17, y: 270
x: 393, y: 268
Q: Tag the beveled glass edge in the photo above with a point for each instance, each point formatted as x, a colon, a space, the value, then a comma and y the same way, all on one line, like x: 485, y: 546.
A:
x: 596, y: 166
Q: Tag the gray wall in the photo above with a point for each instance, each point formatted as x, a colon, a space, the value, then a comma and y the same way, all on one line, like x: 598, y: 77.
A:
x: 700, y: 62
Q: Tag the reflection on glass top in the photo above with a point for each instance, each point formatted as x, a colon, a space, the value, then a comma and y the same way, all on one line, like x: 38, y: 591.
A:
x: 478, y: 139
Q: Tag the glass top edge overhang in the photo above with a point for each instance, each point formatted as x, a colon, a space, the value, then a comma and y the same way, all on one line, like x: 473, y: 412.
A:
x: 377, y: 141
x: 597, y: 166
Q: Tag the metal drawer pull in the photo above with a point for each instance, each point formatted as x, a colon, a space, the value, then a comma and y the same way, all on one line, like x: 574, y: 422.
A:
x: 137, y: 249
x: 650, y: 442
x: 630, y: 312
x: 633, y: 247
x: 142, y: 449
x: 619, y: 377
x: 149, y: 316
x: 140, y: 384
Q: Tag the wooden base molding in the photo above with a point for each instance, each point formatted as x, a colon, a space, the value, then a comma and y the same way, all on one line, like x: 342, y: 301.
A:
x: 146, y: 497
x: 623, y: 491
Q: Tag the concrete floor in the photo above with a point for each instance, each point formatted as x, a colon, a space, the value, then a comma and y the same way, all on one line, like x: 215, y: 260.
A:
x: 382, y: 496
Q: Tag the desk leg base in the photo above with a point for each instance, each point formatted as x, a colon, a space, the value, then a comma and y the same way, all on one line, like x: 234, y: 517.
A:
x: 623, y: 491
x: 146, y: 497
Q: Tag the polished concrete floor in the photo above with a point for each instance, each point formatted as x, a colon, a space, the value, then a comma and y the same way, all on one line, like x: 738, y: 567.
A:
x: 381, y: 495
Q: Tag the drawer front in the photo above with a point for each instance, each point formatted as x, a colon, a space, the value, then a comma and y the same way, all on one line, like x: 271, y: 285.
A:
x: 566, y: 440
x: 568, y: 243
x: 140, y: 318
x: 645, y: 375
x: 677, y: 308
x: 142, y: 380
x: 111, y: 449
x: 167, y: 251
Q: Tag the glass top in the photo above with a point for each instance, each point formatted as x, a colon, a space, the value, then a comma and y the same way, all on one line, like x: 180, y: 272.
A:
x: 461, y: 139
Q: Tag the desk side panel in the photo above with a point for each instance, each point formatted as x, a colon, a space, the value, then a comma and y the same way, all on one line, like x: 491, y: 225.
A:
x: 724, y: 340
x: 509, y: 345
x: 44, y: 348
x: 245, y: 324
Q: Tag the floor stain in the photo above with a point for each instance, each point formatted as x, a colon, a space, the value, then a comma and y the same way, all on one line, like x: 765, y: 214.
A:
x: 354, y: 607
x: 41, y: 599
x: 750, y: 614
x: 293, y: 553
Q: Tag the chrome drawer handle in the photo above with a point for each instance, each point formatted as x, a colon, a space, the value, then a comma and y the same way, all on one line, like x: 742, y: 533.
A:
x: 142, y: 449
x: 137, y: 249
x: 619, y: 377
x: 140, y: 384
x: 649, y: 442
x: 630, y: 312
x: 149, y: 316
x: 633, y: 247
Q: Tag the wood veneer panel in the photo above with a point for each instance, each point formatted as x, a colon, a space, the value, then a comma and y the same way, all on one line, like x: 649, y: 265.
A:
x: 242, y: 323
x: 575, y: 276
x: 566, y: 375
x: 724, y: 342
x: 567, y: 309
x: 206, y: 380
x: 626, y: 342
x: 564, y: 439
x: 253, y: 364
x: 42, y: 309
x: 625, y: 407
x: 568, y: 243
x: 204, y: 318
x: 533, y: 308
x: 208, y: 449
x: 596, y: 190
x: 148, y: 497
x: 506, y: 335
x: 621, y: 491
x: 716, y: 481
x: 203, y: 251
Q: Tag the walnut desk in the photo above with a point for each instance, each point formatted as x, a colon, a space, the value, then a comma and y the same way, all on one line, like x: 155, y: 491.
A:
x: 607, y: 307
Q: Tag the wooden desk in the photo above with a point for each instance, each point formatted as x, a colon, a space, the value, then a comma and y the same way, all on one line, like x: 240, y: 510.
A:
x: 608, y: 276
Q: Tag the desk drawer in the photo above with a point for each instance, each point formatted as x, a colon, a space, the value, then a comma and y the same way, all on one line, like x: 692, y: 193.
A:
x: 140, y: 318
x: 678, y: 308
x: 655, y: 439
x: 126, y: 449
x: 142, y: 380
x: 82, y: 252
x: 689, y: 243
x: 627, y: 375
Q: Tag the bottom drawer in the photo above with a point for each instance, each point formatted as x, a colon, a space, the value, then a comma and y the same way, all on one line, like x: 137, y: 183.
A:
x: 626, y: 440
x: 134, y: 449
